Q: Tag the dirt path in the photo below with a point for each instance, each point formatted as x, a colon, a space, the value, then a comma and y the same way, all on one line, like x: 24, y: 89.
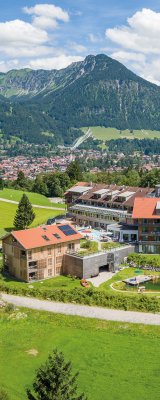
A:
x: 84, y: 311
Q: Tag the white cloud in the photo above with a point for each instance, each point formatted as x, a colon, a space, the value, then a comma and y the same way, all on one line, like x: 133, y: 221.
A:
x: 23, y: 39
x: 19, y: 32
x: 79, y: 48
x: 94, y: 38
x: 46, y: 16
x: 141, y: 33
x: 125, y: 56
x: 26, y: 51
x: 58, y: 62
x: 9, y: 64
x: 139, y: 44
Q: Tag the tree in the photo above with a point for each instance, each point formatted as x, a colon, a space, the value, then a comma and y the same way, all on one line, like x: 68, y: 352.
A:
x: 1, y: 184
x: 24, y: 214
x: 54, y: 381
x: 3, y: 395
x: 74, y: 171
x: 22, y: 182
x: 40, y: 186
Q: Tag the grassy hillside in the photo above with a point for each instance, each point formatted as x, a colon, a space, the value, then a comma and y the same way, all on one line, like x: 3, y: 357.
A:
x: 8, y: 210
x: 114, y: 360
x: 34, y: 198
x: 104, y: 134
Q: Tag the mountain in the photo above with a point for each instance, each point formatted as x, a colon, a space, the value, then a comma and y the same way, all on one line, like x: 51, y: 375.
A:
x: 43, y: 106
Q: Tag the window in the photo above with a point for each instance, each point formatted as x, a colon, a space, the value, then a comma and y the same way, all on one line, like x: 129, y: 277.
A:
x: 49, y: 251
x: 30, y: 255
x: 23, y: 253
x: 49, y: 261
x: 59, y: 260
x: 50, y: 272
x: 71, y: 246
x: 59, y: 248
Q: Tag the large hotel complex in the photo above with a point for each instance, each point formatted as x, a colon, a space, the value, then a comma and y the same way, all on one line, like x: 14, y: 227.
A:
x: 132, y: 214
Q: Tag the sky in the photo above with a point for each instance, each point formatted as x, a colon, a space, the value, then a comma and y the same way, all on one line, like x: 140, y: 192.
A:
x: 53, y: 34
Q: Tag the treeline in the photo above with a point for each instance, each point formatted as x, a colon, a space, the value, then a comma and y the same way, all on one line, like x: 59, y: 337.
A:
x: 128, y: 177
x: 127, y: 146
x: 48, y: 184
x: 56, y: 183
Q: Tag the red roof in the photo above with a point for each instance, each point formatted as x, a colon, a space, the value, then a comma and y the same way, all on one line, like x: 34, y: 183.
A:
x: 145, y: 208
x: 34, y: 237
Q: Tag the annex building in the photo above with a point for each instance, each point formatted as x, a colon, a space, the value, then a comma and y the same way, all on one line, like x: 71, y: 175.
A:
x: 38, y: 253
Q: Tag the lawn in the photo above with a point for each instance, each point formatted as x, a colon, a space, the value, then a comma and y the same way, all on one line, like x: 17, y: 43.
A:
x: 114, y: 360
x: 104, y: 134
x: 58, y: 282
x: 8, y: 210
x: 34, y: 198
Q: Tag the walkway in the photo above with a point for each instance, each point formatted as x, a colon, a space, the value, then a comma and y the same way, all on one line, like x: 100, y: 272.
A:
x: 34, y: 205
x: 84, y: 311
x: 103, y: 276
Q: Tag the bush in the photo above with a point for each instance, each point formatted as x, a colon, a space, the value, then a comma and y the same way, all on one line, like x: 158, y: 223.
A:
x: 145, y: 259
x: 9, y: 307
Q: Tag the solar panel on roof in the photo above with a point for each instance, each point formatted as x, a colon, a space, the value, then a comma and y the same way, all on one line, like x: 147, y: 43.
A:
x: 67, y: 230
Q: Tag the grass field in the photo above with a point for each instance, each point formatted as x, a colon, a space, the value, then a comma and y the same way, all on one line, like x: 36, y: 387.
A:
x: 114, y: 360
x: 8, y: 210
x: 58, y: 282
x: 34, y: 198
x: 104, y: 134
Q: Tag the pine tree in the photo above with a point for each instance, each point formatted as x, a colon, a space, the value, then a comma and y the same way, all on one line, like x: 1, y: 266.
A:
x: 24, y: 214
x: 54, y: 381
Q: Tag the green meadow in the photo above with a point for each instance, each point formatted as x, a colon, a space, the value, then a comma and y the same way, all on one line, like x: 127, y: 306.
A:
x: 8, y: 210
x: 114, y: 360
x: 105, y: 134
x: 34, y: 198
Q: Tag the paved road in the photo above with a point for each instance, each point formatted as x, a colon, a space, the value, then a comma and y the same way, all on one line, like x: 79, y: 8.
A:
x: 84, y: 311
x: 34, y: 205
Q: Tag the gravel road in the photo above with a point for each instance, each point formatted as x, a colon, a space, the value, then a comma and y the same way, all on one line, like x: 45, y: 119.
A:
x: 84, y: 311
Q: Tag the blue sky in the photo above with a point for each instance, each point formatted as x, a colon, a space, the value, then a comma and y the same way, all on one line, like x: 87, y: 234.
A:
x: 52, y: 34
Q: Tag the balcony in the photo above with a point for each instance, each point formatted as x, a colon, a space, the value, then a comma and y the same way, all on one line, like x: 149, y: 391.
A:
x: 32, y: 266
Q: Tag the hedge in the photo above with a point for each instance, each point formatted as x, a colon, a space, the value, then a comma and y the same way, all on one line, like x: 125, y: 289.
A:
x: 90, y: 297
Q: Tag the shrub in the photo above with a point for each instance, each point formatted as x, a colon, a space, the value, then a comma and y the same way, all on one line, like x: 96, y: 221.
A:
x: 145, y: 259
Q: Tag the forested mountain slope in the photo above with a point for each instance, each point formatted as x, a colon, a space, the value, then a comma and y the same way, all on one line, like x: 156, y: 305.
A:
x: 96, y: 91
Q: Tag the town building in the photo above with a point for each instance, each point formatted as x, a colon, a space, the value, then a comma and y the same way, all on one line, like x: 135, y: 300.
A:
x: 146, y: 213
x: 38, y: 253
